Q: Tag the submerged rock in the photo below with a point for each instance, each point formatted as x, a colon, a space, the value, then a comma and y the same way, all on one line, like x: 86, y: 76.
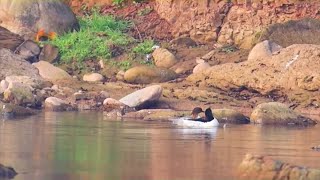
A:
x: 142, y: 96
x: 56, y: 104
x: 265, y: 168
x: 13, y: 111
x: 7, y: 172
x: 156, y: 114
x: 278, y: 113
x: 230, y: 116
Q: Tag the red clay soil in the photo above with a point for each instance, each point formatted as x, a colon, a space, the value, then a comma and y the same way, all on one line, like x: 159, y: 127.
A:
x: 147, y: 22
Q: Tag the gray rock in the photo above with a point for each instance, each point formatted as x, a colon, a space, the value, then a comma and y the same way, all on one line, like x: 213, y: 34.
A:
x: 263, y: 50
x: 104, y: 94
x: 49, y: 53
x: 278, y: 113
x: 14, y: 65
x: 19, y: 94
x: 29, y: 51
x: 9, y: 40
x: 50, y: 72
x: 13, y: 111
x: 26, y: 80
x: 7, y: 172
x: 28, y: 16
x: 142, y: 96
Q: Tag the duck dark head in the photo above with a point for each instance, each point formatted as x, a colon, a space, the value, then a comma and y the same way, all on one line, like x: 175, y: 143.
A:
x: 208, y: 114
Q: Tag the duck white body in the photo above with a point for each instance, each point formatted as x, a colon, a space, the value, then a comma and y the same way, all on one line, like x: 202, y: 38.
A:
x: 186, y: 122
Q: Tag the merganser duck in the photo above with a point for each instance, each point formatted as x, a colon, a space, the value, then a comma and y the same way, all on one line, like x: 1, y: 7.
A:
x: 208, y: 121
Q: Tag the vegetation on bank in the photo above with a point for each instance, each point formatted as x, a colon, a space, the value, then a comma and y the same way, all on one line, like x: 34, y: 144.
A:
x: 101, y: 38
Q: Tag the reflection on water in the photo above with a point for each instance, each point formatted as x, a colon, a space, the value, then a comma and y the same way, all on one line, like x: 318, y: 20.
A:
x: 73, y: 146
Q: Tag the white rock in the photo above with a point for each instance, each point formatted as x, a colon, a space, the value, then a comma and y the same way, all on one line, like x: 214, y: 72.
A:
x: 112, y: 102
x: 151, y: 93
x: 201, y: 67
x: 56, y: 104
x: 263, y: 49
x: 93, y: 77
x: 3, y: 86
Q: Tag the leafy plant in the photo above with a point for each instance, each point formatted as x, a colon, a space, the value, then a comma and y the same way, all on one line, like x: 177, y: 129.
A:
x: 144, y: 48
x: 118, y: 2
x: 123, y: 65
x: 93, y: 40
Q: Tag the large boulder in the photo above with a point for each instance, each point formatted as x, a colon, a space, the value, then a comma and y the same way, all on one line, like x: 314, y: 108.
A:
x: 277, y: 113
x: 7, y: 172
x: 147, y: 75
x: 142, y: 96
x: 292, y: 72
x: 28, y: 16
x: 265, y: 168
x: 50, y: 72
x: 263, y: 50
x: 9, y: 40
x: 12, y: 64
x: 164, y: 58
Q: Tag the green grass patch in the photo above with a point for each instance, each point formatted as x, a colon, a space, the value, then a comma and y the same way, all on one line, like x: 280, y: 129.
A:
x: 93, y: 41
x: 144, y: 48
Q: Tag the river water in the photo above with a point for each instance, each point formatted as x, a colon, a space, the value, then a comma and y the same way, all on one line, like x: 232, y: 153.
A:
x: 86, y: 146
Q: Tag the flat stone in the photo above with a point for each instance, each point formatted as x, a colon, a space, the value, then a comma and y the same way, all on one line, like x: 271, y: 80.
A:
x: 142, y: 96
x: 50, y: 72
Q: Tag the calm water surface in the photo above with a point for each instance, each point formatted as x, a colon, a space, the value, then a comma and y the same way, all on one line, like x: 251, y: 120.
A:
x: 81, y: 146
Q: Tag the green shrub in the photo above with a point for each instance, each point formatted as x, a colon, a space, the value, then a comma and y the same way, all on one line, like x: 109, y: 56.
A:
x: 144, y: 47
x: 96, y: 35
x: 123, y: 65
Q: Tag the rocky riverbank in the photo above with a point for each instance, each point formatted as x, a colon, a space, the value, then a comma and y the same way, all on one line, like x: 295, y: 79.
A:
x: 185, y: 74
